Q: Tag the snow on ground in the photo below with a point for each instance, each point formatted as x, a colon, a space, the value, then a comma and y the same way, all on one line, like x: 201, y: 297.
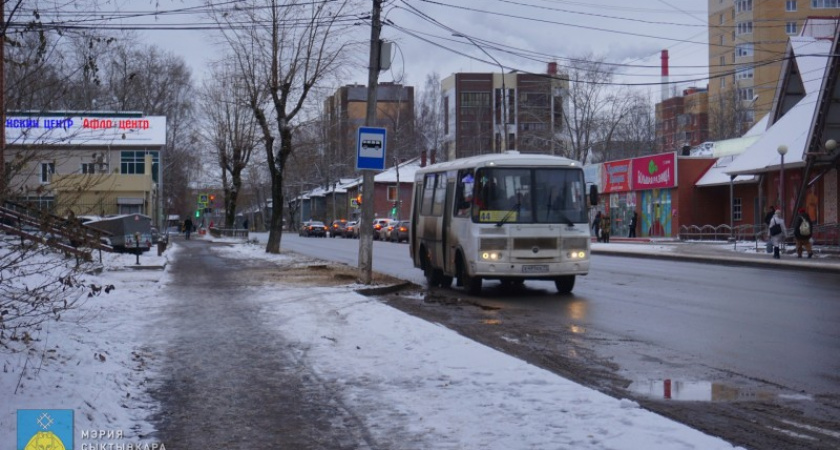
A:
x: 393, y: 368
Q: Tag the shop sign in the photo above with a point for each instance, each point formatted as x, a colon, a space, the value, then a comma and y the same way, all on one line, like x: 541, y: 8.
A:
x: 616, y: 176
x: 655, y: 172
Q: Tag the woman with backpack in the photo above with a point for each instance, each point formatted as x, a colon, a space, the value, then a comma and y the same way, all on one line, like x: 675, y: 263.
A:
x: 802, y: 231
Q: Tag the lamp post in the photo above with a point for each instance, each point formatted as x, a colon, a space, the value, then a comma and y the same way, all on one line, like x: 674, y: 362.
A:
x: 504, y: 91
x: 782, y: 149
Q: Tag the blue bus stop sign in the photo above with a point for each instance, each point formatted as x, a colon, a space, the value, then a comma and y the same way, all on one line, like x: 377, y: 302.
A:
x: 370, y: 148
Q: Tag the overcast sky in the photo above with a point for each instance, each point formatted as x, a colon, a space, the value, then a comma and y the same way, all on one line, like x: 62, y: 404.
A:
x: 532, y: 32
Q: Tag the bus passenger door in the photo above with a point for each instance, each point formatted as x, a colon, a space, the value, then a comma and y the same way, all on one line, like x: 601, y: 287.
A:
x: 446, y: 225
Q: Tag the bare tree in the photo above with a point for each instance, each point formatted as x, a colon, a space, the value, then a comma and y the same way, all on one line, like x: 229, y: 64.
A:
x: 231, y: 133
x: 728, y: 116
x: 429, y: 116
x: 290, y: 47
x: 590, y: 116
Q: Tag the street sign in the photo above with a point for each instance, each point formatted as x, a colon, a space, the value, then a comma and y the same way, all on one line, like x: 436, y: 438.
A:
x: 370, y: 148
x: 202, y: 199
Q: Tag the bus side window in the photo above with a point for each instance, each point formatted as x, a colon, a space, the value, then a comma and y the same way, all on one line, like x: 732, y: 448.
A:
x: 464, y: 193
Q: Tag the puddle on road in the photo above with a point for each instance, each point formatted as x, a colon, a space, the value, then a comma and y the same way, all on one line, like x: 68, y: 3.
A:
x: 705, y: 391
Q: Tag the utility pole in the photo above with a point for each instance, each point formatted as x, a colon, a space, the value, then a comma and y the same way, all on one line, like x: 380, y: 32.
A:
x: 2, y: 102
x: 365, y: 226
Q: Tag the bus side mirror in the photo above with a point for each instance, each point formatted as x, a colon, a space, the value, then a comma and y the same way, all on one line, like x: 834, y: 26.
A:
x: 593, y: 195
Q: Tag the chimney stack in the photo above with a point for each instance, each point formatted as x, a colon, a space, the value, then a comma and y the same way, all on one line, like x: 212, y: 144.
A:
x: 552, y: 68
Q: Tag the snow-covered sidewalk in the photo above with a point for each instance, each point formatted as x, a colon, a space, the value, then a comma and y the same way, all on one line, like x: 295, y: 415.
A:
x: 392, y: 369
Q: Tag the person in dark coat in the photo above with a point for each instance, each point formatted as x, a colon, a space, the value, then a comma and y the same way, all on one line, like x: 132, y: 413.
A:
x: 803, y: 229
x: 606, y: 226
x: 633, y: 222
x: 188, y: 227
x: 596, y: 226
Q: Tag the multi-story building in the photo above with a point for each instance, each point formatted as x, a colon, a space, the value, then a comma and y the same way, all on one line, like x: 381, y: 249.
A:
x: 747, y: 41
x: 682, y: 121
x: 493, y: 112
x: 346, y: 110
x: 86, y: 162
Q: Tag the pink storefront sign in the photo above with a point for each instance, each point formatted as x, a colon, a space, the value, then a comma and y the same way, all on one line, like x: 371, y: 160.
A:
x: 655, y: 172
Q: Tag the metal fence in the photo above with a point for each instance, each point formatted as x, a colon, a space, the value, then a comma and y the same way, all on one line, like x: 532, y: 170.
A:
x: 826, y: 234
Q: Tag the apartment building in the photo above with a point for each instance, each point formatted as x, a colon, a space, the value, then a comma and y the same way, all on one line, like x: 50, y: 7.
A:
x: 682, y: 120
x: 346, y: 110
x: 494, y: 112
x: 747, y: 42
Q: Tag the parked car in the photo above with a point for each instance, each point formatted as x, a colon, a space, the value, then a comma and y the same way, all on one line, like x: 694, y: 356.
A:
x: 377, y: 227
x: 337, y: 227
x: 400, y: 231
x: 312, y: 228
x: 351, y: 230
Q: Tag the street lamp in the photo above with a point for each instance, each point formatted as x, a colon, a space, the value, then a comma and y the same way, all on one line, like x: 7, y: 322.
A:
x: 782, y: 149
x: 504, y: 91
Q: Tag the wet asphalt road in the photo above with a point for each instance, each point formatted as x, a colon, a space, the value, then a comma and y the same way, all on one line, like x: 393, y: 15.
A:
x: 779, y: 326
x: 229, y: 382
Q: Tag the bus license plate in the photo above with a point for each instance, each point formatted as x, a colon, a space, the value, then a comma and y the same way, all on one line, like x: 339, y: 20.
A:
x: 535, y: 268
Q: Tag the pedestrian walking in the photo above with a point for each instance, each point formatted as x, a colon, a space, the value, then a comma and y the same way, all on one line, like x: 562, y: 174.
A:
x: 778, y: 232
x: 596, y: 226
x: 771, y: 211
x: 188, y: 227
x: 605, y: 228
x: 633, y: 222
x: 802, y: 230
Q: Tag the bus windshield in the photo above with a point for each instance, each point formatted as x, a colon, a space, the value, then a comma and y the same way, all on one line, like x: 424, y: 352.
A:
x: 529, y: 195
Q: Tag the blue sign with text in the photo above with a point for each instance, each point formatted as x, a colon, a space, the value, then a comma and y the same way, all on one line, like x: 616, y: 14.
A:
x: 370, y: 148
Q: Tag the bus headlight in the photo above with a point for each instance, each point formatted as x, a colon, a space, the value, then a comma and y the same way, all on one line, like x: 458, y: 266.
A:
x: 491, y: 256
x: 577, y: 254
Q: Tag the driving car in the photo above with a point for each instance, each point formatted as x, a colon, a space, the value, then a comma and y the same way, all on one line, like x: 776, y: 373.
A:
x: 351, y: 230
x: 378, y: 224
x: 400, y: 231
x: 337, y: 227
x: 312, y: 228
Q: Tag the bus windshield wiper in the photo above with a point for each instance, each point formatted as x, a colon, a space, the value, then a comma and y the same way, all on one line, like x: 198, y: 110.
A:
x: 507, y: 215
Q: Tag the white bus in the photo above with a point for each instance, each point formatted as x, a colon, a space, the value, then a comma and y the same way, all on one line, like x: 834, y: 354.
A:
x: 508, y: 217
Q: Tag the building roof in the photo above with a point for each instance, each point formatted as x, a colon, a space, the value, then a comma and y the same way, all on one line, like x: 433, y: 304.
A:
x: 808, y: 58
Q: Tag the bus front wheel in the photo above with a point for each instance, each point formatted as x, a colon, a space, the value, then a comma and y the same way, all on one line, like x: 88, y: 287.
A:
x: 565, y: 284
x: 470, y: 283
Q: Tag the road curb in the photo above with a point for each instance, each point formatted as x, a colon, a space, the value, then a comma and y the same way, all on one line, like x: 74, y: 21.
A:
x: 734, y: 260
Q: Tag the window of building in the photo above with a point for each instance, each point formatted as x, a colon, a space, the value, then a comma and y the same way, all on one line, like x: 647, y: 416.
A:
x: 392, y: 193
x: 790, y: 5
x: 88, y: 168
x: 744, y: 28
x: 823, y: 4
x: 743, y: 5
x: 43, y: 203
x: 475, y: 99
x: 47, y: 171
x: 723, y: 60
x: 721, y: 18
x: 721, y: 40
x: 736, y: 209
x: 722, y: 82
x: 134, y: 163
x: 790, y: 28
x: 745, y: 49
x: 744, y: 73
x: 745, y: 93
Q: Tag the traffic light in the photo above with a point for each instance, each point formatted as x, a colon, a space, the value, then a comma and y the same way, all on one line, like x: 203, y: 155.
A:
x: 359, y: 199
x: 197, y: 214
